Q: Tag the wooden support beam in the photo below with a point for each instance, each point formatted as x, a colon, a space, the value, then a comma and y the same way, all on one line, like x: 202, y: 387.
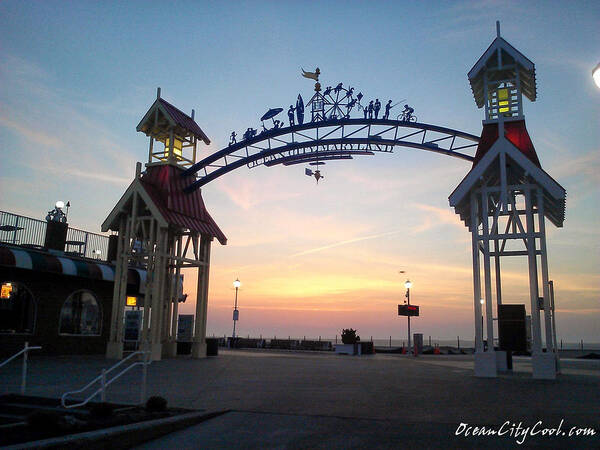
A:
x: 536, y: 331
x: 476, y: 275
x: 199, y: 344
x: 487, y: 274
x: 545, y: 278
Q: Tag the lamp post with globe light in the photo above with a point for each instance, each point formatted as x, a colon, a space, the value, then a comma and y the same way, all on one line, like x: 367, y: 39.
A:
x: 236, y: 313
x: 408, y: 285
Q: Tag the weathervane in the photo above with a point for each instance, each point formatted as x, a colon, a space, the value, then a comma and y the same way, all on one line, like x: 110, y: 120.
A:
x: 316, y: 174
x: 313, y: 76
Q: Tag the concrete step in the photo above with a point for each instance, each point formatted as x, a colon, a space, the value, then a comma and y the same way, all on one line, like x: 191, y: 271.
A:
x: 23, y: 410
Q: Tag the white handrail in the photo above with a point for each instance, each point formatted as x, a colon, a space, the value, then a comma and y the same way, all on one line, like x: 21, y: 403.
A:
x: 24, y: 371
x: 104, y: 383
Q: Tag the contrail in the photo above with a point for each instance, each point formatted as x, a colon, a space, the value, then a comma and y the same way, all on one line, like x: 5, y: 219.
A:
x: 349, y: 241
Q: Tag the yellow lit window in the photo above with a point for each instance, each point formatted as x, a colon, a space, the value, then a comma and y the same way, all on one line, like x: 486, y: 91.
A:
x: 503, y: 100
x: 6, y: 290
x: 177, y: 148
x: 131, y: 301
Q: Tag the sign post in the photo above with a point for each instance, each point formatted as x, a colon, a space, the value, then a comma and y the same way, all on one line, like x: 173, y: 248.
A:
x: 408, y: 310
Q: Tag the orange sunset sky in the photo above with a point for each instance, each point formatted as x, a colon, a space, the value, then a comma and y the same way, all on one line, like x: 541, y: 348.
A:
x: 312, y: 259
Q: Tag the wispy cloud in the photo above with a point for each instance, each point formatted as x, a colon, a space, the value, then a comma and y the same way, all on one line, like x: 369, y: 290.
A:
x: 437, y: 217
x: 586, y: 166
x: 248, y: 192
x: 346, y: 242
x: 30, y: 134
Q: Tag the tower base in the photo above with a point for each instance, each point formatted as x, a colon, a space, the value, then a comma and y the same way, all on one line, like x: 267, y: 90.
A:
x: 544, y: 366
x: 169, y: 349
x: 155, y: 351
x: 199, y: 349
x: 501, y: 364
x: 486, y: 365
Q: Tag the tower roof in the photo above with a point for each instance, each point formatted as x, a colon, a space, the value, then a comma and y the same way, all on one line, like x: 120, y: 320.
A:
x: 174, y: 117
x: 508, y: 62
x: 515, y: 132
x: 521, y: 169
x: 165, y: 185
x: 161, y: 189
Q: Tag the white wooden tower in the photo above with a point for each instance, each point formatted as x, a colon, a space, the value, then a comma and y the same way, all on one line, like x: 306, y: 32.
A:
x: 504, y: 201
x: 163, y: 230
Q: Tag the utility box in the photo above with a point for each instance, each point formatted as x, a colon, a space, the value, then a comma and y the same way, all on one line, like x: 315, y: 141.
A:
x: 185, y: 329
x: 512, y: 332
x: 56, y: 235
x: 133, y: 322
x: 113, y: 244
x: 418, y: 343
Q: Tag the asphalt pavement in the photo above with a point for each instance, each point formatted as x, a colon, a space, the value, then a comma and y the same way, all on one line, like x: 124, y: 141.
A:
x: 279, y: 399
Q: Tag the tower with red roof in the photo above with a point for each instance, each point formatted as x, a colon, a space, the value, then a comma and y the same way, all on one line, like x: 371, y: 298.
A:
x: 505, y: 200
x: 164, y: 230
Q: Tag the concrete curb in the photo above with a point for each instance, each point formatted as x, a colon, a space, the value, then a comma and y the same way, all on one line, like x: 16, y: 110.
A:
x: 120, y: 437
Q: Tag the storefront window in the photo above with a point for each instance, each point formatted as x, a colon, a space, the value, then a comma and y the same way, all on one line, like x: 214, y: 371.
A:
x: 17, y: 308
x: 80, y: 314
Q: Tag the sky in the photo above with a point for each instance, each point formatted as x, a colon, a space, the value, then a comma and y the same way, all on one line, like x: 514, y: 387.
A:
x: 78, y: 76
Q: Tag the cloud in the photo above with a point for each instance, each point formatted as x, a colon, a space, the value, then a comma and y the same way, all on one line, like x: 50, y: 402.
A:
x: 346, y: 242
x: 249, y: 192
x: 463, y: 20
x: 57, y: 134
x: 439, y: 216
x: 566, y: 61
x: 586, y: 165
x: 30, y: 134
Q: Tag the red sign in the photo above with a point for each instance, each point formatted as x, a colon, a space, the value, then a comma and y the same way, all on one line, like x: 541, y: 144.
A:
x: 408, y: 310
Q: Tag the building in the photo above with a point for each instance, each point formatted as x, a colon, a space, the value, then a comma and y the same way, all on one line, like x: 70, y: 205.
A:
x: 67, y: 290
x: 56, y: 294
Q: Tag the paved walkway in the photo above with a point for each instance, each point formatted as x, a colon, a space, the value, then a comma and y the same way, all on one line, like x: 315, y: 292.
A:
x: 299, y: 400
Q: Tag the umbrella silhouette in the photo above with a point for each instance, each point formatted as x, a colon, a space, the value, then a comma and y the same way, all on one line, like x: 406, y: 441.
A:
x: 271, y: 113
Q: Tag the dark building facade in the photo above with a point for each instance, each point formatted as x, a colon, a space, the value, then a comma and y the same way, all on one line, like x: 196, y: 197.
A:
x: 59, y: 300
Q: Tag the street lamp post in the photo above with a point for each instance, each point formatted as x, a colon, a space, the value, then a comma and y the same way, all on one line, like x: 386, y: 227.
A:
x: 407, y: 285
x: 236, y: 313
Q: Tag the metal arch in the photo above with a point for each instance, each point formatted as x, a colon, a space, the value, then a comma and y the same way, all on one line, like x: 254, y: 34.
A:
x: 330, y: 139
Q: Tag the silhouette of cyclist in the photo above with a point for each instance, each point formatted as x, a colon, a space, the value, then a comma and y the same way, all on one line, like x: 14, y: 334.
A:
x: 408, y: 111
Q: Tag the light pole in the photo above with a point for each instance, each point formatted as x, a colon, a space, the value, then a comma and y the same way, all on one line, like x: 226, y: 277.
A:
x: 236, y: 313
x: 407, y: 285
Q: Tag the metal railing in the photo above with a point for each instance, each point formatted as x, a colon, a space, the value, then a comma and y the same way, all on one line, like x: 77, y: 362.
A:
x: 104, y: 383
x: 24, y: 352
x: 29, y: 232
x: 92, y: 243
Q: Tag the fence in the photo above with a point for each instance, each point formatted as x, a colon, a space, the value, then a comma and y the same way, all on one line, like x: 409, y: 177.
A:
x: 28, y: 232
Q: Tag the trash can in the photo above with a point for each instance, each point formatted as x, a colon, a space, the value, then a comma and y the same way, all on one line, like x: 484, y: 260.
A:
x: 212, y: 346
x: 184, y: 348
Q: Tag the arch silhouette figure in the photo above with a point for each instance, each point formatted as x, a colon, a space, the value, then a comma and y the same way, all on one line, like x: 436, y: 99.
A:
x: 334, y: 139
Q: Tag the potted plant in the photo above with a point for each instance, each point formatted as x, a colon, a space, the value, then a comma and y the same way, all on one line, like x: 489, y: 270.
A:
x: 350, y: 343
x: 349, y: 336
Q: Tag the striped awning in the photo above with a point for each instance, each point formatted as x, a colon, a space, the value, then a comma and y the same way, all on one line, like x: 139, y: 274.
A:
x: 166, y: 187
x: 44, y: 261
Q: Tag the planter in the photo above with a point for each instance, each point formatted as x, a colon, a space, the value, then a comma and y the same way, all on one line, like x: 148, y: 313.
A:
x: 348, y: 349
x: 360, y: 348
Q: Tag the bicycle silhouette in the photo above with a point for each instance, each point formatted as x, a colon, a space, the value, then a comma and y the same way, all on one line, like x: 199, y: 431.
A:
x: 404, y: 118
